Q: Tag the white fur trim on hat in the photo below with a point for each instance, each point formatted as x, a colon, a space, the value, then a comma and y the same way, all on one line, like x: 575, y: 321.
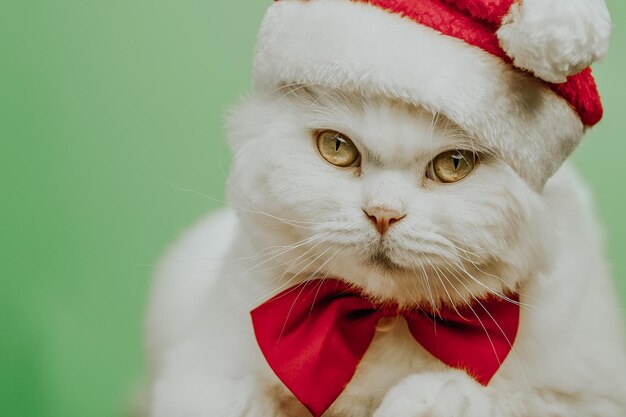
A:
x: 358, y: 47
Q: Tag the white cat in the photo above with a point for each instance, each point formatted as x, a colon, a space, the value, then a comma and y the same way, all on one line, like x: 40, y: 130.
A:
x: 391, y: 224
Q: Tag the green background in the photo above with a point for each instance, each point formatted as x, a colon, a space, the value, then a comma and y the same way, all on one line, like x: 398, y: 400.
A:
x: 108, y: 110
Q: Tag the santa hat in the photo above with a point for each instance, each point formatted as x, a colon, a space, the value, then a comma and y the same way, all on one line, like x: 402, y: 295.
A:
x: 513, y: 74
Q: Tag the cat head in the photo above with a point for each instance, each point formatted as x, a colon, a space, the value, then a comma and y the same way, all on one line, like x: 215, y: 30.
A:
x: 384, y: 195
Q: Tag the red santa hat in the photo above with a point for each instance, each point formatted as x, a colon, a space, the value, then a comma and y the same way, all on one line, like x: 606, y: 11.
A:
x: 515, y: 75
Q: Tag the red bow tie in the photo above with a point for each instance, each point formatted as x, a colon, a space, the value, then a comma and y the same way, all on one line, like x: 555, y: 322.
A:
x: 315, y: 334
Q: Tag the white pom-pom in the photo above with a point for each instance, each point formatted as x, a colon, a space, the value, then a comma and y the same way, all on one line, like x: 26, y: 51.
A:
x: 556, y: 38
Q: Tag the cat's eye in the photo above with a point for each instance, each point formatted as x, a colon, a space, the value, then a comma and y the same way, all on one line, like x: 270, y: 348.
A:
x: 337, y: 149
x: 452, y: 166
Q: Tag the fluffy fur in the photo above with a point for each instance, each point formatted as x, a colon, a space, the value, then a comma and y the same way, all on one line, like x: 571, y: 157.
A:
x: 553, y: 39
x: 492, y: 11
x: 294, y: 217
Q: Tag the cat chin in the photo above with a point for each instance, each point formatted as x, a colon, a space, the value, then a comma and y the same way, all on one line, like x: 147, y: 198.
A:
x: 390, y: 287
x: 434, y: 296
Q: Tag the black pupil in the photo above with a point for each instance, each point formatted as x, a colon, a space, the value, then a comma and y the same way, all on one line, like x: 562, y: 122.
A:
x: 338, y: 142
x: 457, y: 161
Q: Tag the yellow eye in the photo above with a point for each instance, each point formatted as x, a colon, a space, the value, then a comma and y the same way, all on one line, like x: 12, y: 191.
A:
x: 337, y: 149
x: 452, y: 166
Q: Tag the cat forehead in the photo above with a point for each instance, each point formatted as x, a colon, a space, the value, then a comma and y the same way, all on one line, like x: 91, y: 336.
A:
x: 385, y: 130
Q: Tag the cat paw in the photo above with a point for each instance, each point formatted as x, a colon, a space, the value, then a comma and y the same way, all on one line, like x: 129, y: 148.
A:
x: 450, y: 394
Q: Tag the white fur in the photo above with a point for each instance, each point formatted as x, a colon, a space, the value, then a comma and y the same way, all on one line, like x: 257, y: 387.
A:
x: 298, y: 217
x: 555, y: 39
x: 437, y: 394
x: 354, y: 46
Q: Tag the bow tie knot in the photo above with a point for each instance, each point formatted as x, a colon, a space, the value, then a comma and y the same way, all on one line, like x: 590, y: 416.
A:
x: 315, y: 334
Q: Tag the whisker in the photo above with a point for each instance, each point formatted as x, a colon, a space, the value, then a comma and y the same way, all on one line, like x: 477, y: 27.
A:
x: 301, y: 290
x: 439, y: 274
x: 322, y: 279
x: 427, y: 286
x: 509, y: 342
x: 469, y: 305
x: 307, y: 241
x: 467, y: 244
x: 254, y: 210
x: 499, y: 294
x: 292, y: 264
x: 406, y: 273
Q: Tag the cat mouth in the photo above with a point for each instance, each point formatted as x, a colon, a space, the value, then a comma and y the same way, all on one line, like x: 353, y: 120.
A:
x: 385, y: 260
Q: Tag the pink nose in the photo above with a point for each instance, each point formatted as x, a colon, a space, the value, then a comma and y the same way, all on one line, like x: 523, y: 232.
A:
x: 383, y: 218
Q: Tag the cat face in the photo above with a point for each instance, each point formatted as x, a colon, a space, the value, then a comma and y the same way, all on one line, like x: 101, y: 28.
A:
x: 387, y: 196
